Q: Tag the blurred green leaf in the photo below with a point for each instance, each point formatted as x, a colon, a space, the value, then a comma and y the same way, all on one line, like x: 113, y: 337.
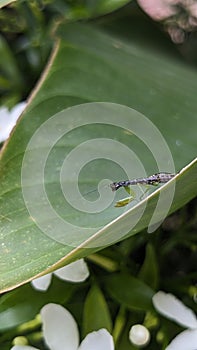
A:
x: 10, y: 79
x: 96, y: 313
x: 129, y: 291
x: 76, y: 10
x: 22, y: 304
x: 90, y: 65
x: 149, y: 270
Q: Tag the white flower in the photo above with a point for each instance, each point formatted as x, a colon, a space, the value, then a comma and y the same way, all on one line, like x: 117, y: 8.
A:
x: 169, y: 306
x: 60, y: 332
x: 185, y: 340
x: 74, y: 272
x: 139, y: 335
x: 8, y: 119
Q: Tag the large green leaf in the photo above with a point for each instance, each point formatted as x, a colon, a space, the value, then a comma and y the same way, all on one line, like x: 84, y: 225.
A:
x: 89, y: 65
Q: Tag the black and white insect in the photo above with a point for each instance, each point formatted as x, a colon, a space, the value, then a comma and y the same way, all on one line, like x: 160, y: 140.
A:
x: 153, y: 180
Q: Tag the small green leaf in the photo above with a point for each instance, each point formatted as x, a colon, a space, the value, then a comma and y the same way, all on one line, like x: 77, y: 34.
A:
x: 96, y: 313
x: 149, y: 272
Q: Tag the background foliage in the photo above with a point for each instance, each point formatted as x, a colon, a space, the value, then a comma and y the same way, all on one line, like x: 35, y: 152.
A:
x: 147, y: 62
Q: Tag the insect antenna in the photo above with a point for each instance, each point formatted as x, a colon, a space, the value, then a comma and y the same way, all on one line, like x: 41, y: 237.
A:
x: 95, y: 190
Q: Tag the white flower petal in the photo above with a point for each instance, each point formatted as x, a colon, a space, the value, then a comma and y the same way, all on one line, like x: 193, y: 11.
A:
x: 139, y: 335
x: 100, y: 340
x: 186, y: 340
x: 6, y: 124
x: 171, y: 307
x: 59, y: 328
x: 17, y: 110
x: 74, y: 272
x: 42, y: 283
x: 23, y: 347
x: 8, y: 119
